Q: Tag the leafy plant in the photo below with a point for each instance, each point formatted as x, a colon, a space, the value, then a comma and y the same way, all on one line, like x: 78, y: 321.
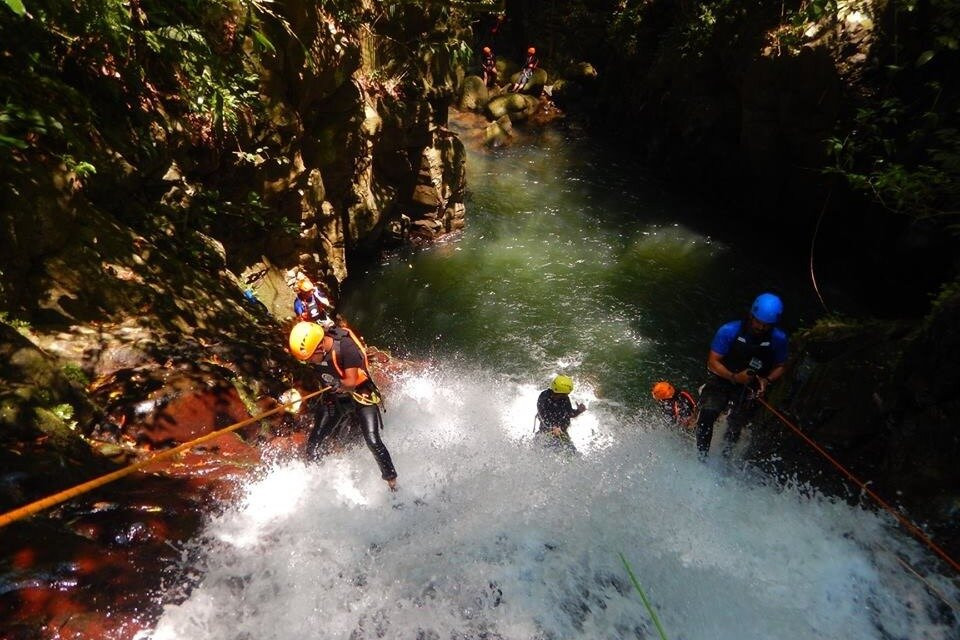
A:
x: 75, y: 374
x: 21, y: 326
x: 16, y: 6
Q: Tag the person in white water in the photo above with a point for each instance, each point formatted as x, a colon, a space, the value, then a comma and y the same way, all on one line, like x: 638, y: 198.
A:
x: 554, y: 411
x: 341, y: 360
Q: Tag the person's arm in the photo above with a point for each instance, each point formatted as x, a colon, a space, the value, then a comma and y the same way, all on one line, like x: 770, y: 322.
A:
x: 351, y: 378
x: 714, y: 365
x: 775, y: 374
x: 780, y: 350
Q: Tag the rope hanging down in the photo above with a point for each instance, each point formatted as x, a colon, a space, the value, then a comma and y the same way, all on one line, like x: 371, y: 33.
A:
x: 909, y: 526
x: 39, y: 505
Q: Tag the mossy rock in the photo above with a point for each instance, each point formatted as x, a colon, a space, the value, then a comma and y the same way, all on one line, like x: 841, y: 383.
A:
x: 518, y: 107
x: 580, y: 72
x: 473, y: 94
x: 498, y: 133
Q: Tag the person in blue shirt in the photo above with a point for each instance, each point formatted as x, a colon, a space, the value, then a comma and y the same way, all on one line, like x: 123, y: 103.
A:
x: 745, y: 357
x: 310, y: 305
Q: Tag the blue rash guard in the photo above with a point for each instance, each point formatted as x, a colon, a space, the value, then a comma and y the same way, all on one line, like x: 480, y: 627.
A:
x: 733, y: 337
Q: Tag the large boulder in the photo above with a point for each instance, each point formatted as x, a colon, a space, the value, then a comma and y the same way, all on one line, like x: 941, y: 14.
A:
x: 517, y: 106
x: 473, y: 94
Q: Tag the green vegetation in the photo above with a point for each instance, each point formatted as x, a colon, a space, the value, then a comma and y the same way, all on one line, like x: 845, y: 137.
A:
x: 110, y: 91
x: 21, y: 326
x: 102, y: 87
x: 75, y: 374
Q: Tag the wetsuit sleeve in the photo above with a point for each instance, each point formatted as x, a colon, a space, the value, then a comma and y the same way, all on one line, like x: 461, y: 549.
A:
x: 724, y: 338
x: 541, y: 405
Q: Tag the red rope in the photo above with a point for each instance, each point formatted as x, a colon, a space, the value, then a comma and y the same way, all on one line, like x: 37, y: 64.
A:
x: 912, y: 528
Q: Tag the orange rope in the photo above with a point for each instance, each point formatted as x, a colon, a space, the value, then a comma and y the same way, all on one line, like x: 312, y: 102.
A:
x: 39, y: 505
x: 912, y: 528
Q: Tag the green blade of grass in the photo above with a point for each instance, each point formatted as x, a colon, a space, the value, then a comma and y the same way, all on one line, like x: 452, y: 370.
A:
x: 643, y: 597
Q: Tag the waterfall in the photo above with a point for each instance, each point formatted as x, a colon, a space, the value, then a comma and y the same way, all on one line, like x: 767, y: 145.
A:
x: 491, y: 535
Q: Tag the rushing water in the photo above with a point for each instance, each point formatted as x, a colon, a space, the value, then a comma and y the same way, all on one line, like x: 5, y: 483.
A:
x: 567, y: 265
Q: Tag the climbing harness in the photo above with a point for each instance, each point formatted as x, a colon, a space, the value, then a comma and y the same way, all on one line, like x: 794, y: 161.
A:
x: 67, y: 494
x: 371, y: 397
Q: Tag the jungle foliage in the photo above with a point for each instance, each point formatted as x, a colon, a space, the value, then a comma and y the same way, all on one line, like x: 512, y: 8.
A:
x: 110, y: 92
x: 898, y: 142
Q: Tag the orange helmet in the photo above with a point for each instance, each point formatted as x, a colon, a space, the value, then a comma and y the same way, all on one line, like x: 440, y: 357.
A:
x: 486, y: 49
x: 663, y: 390
x: 304, y: 285
x: 305, y: 337
x: 531, y: 51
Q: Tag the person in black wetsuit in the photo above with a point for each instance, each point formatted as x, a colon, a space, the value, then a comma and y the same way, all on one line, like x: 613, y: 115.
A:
x: 488, y: 67
x: 678, y: 406
x: 530, y: 64
x: 342, y: 361
x: 745, y: 356
x: 554, y: 410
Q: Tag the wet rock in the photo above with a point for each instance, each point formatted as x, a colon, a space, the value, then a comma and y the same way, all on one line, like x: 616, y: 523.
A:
x: 159, y: 408
x: 518, y: 107
x: 473, y: 94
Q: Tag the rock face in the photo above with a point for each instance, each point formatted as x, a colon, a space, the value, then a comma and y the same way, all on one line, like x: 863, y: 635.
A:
x: 884, y: 398
x: 160, y: 245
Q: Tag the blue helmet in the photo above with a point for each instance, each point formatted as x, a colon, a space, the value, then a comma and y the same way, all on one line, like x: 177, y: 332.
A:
x: 767, y: 308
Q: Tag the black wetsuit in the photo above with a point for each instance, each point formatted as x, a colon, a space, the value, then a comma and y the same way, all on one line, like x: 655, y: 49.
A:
x: 531, y: 63
x: 488, y: 64
x: 336, y: 407
x: 679, y: 408
x: 555, y: 411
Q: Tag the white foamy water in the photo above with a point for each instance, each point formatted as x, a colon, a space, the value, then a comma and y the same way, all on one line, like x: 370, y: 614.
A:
x: 492, y: 536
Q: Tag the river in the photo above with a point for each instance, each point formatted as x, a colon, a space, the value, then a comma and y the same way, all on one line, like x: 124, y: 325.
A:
x: 572, y: 264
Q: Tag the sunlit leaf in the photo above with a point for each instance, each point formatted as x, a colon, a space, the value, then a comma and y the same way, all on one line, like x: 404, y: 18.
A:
x: 16, y: 6
x: 263, y: 40
x: 925, y: 57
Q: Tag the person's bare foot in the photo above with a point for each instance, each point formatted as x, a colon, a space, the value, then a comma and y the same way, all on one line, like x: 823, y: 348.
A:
x: 392, y: 483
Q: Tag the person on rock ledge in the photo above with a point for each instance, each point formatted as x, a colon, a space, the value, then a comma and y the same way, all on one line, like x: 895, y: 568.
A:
x: 488, y: 67
x: 745, y: 357
x: 530, y: 65
x: 341, y: 359
x: 310, y: 305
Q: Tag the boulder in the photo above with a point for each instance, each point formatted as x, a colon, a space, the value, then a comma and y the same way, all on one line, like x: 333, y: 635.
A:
x: 473, y: 94
x: 517, y: 106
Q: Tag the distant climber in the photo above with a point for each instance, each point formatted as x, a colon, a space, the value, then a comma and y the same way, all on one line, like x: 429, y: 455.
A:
x: 745, y: 357
x: 679, y: 407
x: 530, y: 64
x: 341, y: 360
x: 310, y: 305
x: 488, y: 67
x: 554, y: 411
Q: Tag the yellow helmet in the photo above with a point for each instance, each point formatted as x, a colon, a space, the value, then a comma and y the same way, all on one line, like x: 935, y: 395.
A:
x: 663, y: 390
x: 304, y: 339
x: 562, y: 384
